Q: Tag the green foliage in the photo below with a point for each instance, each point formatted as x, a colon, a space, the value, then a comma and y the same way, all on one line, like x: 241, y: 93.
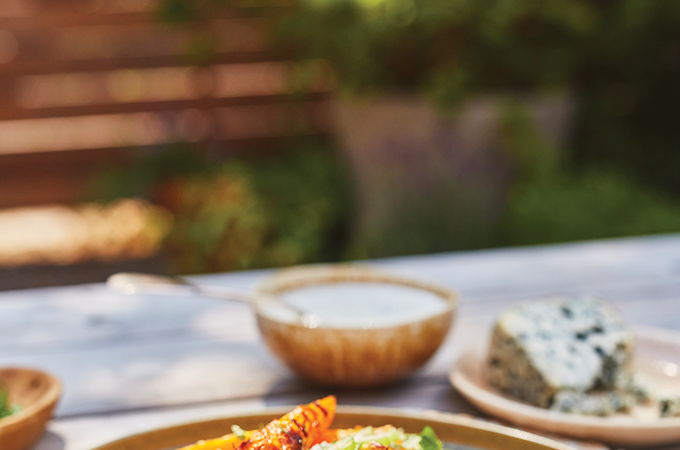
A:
x: 139, y: 177
x: 619, y: 58
x: 187, y: 11
x: 429, y: 440
x: 196, y: 16
x: 240, y: 214
x: 589, y: 205
x: 446, y: 49
x: 550, y: 203
x: 532, y: 157
x: 272, y: 213
x: 630, y: 91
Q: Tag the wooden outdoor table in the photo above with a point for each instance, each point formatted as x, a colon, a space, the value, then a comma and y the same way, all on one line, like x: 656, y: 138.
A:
x: 130, y: 364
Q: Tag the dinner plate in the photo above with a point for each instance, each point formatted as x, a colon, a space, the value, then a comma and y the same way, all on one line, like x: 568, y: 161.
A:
x: 657, y: 358
x: 459, y: 432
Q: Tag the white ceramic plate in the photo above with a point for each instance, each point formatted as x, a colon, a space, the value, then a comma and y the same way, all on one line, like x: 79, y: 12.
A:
x: 657, y: 357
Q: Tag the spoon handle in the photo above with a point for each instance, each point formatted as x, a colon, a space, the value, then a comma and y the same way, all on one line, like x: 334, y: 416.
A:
x: 142, y: 283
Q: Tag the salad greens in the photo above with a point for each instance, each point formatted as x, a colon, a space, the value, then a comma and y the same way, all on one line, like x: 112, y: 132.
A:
x: 429, y: 440
x: 387, y: 436
x: 238, y: 431
x: 5, y: 408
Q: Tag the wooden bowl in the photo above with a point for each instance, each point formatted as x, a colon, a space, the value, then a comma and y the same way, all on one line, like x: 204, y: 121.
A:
x: 37, y: 394
x: 357, y: 357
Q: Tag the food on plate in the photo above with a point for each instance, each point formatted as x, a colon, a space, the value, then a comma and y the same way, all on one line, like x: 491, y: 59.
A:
x: 604, y: 403
x: 384, y: 437
x: 303, y: 425
x: 308, y: 427
x: 539, y: 349
x: 571, y: 355
x: 227, y: 442
x: 669, y: 407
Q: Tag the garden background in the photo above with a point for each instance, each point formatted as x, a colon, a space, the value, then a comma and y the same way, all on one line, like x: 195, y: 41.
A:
x: 201, y: 136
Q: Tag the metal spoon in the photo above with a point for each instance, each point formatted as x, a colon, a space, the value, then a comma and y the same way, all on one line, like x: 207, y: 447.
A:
x: 142, y: 283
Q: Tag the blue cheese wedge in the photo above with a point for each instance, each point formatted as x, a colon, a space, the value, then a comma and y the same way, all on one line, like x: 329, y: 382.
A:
x: 600, y: 403
x: 669, y: 407
x: 539, y: 349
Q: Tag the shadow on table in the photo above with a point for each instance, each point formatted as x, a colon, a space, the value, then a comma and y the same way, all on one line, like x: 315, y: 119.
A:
x: 417, y: 393
x: 50, y: 441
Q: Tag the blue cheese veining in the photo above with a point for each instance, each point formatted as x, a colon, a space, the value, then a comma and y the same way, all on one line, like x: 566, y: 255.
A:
x: 543, y: 348
x: 669, y: 407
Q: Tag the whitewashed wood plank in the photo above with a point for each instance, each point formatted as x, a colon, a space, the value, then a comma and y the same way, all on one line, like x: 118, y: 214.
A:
x: 100, y: 317
x: 159, y: 351
x: 198, y: 368
x: 91, y: 313
x: 64, y: 323
x: 177, y: 370
x: 82, y: 320
x: 85, y: 433
x: 545, y: 269
x: 145, y: 374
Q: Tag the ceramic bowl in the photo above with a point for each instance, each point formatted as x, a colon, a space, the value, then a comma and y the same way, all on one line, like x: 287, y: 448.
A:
x: 452, y: 429
x: 358, y: 357
x: 36, y: 393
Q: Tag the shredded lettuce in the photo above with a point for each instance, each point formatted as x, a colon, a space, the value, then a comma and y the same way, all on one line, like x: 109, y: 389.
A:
x: 238, y: 431
x: 429, y: 440
x: 388, y: 436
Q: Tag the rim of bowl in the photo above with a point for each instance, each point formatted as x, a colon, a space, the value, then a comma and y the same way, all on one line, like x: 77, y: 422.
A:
x: 299, y: 277
x: 51, y: 396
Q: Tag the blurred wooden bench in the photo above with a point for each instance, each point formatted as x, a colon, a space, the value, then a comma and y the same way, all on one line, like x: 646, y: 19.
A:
x: 89, y: 83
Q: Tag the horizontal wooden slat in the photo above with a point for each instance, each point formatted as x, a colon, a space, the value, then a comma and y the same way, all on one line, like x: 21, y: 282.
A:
x: 135, y: 107
x: 60, y: 20
x: 92, y: 83
x: 22, y: 8
x: 11, y: 164
x: 107, y: 64
x: 147, y: 38
x: 59, y: 14
x: 242, y: 120
x: 273, y: 120
x: 63, y: 176
x: 171, y: 87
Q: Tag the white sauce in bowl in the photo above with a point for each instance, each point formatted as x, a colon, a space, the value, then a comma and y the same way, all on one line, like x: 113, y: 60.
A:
x: 359, y: 305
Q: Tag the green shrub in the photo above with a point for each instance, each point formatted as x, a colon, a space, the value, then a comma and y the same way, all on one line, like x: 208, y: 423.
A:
x: 446, y: 49
x: 630, y: 92
x: 590, y: 205
x: 550, y: 202
x: 245, y: 213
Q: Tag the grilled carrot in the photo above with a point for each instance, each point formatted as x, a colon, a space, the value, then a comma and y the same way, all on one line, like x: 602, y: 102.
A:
x: 299, y: 429
x: 227, y: 442
x: 334, y: 434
